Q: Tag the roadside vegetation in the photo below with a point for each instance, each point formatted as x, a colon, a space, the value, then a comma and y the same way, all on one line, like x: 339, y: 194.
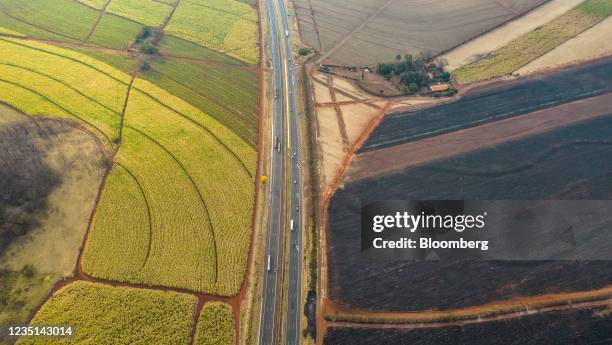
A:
x: 215, y: 325
x: 536, y: 43
x: 103, y: 314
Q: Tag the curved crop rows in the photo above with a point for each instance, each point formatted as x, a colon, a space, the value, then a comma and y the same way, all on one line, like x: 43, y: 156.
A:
x: 121, y: 231
x: 182, y: 253
x: 15, y: 88
x: 175, y: 210
x: 213, y: 171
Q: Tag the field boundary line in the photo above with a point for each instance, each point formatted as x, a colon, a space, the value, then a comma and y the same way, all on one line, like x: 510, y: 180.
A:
x: 215, y: 102
x: 101, y: 13
x: 69, y: 58
x: 315, y: 24
x: 150, y: 219
x: 125, y: 105
x: 170, y: 15
x: 247, y: 296
x: 6, y: 13
x: 61, y: 82
x: 354, y: 31
x: 57, y: 105
x: 478, y: 314
x: 201, y: 126
x: 124, y: 52
x: 331, y: 188
x: 338, y: 111
x: 195, y: 186
x: 148, y: 95
x: 222, y: 11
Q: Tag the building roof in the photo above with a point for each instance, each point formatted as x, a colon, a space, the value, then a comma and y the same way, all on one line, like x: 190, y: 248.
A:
x: 439, y: 87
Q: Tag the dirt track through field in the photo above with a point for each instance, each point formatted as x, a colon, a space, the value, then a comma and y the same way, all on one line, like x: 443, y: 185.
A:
x: 339, y: 117
x: 357, y: 29
x: 474, y: 320
x: 170, y: 15
x: 401, y: 157
x: 101, y: 13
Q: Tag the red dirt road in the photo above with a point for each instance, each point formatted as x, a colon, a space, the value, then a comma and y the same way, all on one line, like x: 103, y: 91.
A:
x: 398, y: 158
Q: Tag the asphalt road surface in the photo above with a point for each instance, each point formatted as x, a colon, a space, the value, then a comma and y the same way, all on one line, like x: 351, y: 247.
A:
x: 285, y: 145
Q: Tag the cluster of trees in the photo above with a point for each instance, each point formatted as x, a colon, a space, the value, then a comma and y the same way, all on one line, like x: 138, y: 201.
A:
x: 147, y: 39
x: 414, y: 73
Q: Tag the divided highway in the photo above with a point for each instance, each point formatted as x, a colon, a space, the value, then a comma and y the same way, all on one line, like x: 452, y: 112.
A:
x: 285, y: 190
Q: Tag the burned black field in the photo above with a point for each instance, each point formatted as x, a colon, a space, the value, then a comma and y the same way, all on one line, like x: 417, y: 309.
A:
x: 568, y: 163
x: 565, y: 327
x: 494, y: 103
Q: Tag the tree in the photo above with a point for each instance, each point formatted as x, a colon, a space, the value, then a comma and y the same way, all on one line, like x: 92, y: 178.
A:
x: 144, y: 66
x: 413, y: 88
x: 304, y: 51
x: 385, y: 69
x: 144, y: 34
x: 148, y: 48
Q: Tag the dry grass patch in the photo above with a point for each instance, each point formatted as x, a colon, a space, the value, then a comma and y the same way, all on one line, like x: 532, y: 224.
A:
x: 536, y: 43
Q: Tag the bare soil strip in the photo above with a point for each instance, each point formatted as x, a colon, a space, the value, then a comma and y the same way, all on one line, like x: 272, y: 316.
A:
x: 398, y: 158
x: 316, y: 26
x: 322, y: 281
x: 93, y: 28
x: 498, y: 37
x: 170, y: 15
x: 339, y: 117
x: 474, y: 318
x: 357, y: 101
